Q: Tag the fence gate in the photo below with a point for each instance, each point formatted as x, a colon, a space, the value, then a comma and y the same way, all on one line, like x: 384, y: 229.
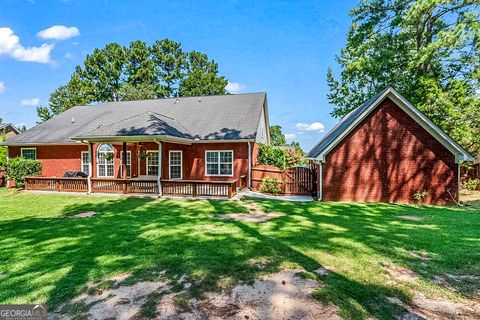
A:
x: 299, y: 180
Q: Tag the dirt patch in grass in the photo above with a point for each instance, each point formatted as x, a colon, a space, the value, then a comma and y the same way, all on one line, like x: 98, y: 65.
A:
x: 411, y: 218
x: 249, y: 217
x: 400, y: 273
x: 85, y: 214
x: 426, y: 308
x: 283, y: 295
x: 255, y: 214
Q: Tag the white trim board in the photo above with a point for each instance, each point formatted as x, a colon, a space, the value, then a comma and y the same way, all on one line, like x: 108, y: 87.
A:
x: 459, y: 152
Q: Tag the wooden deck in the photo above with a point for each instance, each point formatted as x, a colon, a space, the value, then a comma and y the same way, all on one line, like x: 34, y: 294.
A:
x: 194, y: 188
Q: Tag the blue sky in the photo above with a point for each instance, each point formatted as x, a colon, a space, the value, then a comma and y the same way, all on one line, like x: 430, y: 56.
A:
x: 281, y: 47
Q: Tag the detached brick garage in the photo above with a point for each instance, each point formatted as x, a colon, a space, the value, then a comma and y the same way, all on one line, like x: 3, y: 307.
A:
x: 386, y: 150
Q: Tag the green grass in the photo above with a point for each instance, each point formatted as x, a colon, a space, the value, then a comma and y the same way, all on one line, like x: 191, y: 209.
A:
x: 49, y: 257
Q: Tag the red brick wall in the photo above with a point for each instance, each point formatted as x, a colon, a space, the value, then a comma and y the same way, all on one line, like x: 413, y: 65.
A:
x: 388, y: 157
x: 56, y: 160
x: 194, y: 159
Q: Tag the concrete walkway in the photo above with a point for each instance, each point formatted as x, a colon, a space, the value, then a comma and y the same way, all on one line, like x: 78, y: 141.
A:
x: 253, y: 194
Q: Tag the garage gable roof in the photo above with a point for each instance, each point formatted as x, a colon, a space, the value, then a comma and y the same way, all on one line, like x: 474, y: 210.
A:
x: 352, y: 119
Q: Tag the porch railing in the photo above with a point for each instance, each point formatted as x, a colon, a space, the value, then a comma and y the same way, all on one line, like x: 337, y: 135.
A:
x: 56, y: 184
x: 194, y: 188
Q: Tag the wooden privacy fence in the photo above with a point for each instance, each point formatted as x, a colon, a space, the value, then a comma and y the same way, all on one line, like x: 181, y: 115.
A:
x: 299, y: 180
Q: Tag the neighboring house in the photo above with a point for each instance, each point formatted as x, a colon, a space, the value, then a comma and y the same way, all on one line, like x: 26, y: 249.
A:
x: 387, y: 150
x: 9, y: 130
x: 207, y: 138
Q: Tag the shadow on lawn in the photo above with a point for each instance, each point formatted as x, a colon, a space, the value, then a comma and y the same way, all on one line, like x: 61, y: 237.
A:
x: 180, y: 236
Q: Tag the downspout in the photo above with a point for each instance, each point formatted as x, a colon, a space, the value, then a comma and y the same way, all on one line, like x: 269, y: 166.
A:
x: 459, y: 181
x: 320, y: 181
x: 159, y: 173
x: 249, y: 165
x: 90, y: 168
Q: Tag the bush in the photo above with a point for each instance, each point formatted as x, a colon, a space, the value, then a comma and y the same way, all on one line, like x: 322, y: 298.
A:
x: 471, y: 184
x: 279, y: 158
x: 420, y: 197
x: 19, y: 168
x: 270, y: 185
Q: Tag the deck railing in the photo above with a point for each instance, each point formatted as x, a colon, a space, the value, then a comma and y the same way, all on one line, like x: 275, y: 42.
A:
x: 56, y: 184
x: 194, y: 188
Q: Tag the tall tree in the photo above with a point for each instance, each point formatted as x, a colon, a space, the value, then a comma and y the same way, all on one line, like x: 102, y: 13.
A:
x: 136, y: 72
x: 277, y: 138
x: 201, y: 76
x: 427, y: 49
x: 170, y: 63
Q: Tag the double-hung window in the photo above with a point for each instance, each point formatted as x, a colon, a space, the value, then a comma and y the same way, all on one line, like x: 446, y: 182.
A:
x: 152, y: 163
x: 219, y: 163
x: 175, y: 164
x: 85, y: 162
x: 105, y: 160
x: 29, y: 153
x: 129, y: 163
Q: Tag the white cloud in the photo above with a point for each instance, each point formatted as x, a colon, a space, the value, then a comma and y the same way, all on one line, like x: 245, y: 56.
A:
x: 2, y: 86
x: 235, y: 87
x: 290, y: 136
x: 59, y: 33
x: 314, y: 126
x: 10, y: 45
x: 30, y: 102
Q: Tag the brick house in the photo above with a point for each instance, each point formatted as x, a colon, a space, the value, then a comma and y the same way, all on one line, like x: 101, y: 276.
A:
x: 192, y: 145
x: 387, y: 150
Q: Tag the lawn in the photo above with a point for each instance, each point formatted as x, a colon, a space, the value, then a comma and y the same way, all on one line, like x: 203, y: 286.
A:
x: 49, y: 257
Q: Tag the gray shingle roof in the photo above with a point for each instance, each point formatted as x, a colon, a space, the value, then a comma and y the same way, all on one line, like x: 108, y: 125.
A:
x: 341, y: 126
x: 222, y: 117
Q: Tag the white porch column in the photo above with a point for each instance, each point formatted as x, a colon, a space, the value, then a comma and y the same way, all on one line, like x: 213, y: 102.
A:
x: 90, y: 168
x: 159, y: 173
x: 249, y: 165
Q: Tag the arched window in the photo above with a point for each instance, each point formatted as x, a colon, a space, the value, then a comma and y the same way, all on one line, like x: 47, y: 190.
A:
x: 105, y: 167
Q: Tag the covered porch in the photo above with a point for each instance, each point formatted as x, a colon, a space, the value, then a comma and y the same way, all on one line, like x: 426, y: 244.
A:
x: 163, y: 166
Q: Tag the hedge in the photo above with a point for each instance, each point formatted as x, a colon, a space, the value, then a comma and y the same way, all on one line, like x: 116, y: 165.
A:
x: 19, y: 168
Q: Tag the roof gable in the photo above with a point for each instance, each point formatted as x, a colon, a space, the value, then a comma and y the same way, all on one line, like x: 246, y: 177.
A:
x: 351, y: 120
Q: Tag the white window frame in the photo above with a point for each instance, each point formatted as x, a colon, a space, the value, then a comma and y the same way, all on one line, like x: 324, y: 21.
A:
x: 83, y: 164
x: 105, y: 164
x: 129, y: 155
x: 170, y: 165
x: 219, y: 163
x: 148, y: 165
x: 21, y: 152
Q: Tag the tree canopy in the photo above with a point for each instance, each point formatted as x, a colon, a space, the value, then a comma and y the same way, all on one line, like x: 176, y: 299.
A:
x: 136, y: 72
x: 428, y: 50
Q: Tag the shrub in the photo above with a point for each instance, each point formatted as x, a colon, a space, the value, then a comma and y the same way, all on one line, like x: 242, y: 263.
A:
x: 271, y: 156
x: 270, y: 185
x: 471, y: 184
x: 420, y: 197
x: 19, y: 168
x: 280, y: 158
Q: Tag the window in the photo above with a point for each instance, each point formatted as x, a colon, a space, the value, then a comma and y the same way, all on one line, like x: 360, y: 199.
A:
x: 85, y: 162
x: 219, y: 163
x: 152, y: 163
x: 175, y: 164
x: 105, y: 160
x: 29, y: 153
x: 129, y: 163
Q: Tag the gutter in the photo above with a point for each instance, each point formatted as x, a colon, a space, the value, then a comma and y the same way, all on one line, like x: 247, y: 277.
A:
x: 249, y: 165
